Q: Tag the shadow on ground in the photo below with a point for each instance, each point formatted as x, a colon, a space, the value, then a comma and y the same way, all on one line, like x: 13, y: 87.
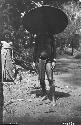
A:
x: 58, y: 95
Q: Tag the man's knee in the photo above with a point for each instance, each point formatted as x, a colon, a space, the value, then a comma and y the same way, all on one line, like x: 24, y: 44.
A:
x: 51, y: 82
x: 42, y: 84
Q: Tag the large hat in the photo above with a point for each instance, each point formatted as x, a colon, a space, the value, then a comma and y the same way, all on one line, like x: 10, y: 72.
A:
x: 45, y: 19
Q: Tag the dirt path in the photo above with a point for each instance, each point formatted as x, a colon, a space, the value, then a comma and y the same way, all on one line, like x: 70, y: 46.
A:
x: 24, y: 105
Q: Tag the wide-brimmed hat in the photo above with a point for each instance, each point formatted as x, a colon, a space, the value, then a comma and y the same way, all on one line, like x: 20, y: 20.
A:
x: 45, y: 19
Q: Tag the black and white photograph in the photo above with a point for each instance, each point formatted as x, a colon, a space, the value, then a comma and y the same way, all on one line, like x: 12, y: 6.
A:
x: 40, y: 62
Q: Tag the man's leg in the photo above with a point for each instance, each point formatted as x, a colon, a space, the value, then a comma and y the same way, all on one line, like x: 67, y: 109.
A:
x: 49, y: 72
x: 41, y: 70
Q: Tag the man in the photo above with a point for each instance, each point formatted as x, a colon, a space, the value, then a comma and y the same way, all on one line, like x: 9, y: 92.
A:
x: 44, y: 59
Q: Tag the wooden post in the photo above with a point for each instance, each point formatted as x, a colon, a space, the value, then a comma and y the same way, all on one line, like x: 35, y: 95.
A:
x: 7, y: 66
x: 1, y: 91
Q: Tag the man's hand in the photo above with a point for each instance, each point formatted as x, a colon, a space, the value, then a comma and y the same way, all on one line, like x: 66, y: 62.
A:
x: 33, y: 65
x: 54, y: 60
x: 53, y: 63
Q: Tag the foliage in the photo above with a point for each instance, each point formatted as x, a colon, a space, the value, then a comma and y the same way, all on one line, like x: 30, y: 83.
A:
x: 73, y: 11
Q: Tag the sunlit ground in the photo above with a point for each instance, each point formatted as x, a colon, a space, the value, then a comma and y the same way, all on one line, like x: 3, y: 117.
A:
x: 23, y: 102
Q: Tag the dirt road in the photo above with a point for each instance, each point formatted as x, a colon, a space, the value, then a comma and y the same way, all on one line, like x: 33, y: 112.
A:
x: 23, y: 103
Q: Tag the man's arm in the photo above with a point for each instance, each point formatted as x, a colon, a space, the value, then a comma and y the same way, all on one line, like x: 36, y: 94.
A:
x: 53, y: 45
x: 35, y: 52
x: 53, y: 54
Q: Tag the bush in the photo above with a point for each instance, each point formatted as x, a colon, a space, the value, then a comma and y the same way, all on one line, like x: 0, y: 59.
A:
x: 77, y: 56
